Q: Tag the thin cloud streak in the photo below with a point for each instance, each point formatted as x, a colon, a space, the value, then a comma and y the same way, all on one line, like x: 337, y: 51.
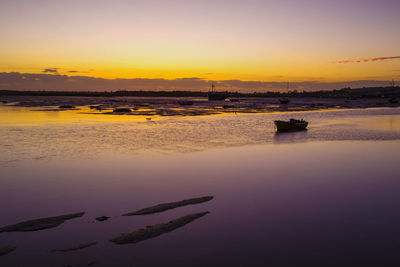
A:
x: 364, y: 60
x: 50, y: 70
x: 77, y: 71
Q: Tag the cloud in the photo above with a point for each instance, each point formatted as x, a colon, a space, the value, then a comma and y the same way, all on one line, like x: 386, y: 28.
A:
x: 61, y: 70
x: 57, y: 82
x: 77, y: 71
x: 50, y: 70
x: 364, y: 60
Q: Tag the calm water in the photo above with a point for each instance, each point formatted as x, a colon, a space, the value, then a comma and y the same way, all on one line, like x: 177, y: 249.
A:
x: 324, y: 197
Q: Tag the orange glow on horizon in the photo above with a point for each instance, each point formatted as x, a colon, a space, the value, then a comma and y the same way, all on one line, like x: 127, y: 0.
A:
x: 236, y: 40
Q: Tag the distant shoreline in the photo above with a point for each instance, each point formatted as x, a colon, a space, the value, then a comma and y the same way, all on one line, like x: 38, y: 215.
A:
x: 365, y: 92
x: 147, y: 105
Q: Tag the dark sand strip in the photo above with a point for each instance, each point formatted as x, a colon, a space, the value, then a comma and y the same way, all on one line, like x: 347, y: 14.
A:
x: 168, y: 206
x: 40, y: 224
x: 81, y: 246
x: 7, y: 249
x: 156, y: 230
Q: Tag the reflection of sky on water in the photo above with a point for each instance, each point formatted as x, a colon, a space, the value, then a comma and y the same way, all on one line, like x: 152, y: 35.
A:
x: 60, y: 135
x: 303, y: 202
x: 35, y: 116
x: 319, y: 203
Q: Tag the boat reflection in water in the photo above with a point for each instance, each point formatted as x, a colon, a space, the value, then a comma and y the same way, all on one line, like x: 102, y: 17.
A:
x: 291, y: 137
x: 291, y: 125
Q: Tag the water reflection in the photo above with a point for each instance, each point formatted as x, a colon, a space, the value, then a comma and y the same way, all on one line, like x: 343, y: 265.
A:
x: 290, y: 137
x: 36, y: 116
x: 301, y: 204
x: 304, y: 202
x: 53, y: 135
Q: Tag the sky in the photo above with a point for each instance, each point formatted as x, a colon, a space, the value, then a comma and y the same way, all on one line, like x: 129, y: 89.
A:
x: 268, y: 41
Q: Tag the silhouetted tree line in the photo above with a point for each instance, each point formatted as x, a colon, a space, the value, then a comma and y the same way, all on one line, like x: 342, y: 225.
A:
x: 391, y: 91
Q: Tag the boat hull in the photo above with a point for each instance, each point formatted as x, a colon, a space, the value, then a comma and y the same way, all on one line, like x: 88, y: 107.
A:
x: 284, y: 126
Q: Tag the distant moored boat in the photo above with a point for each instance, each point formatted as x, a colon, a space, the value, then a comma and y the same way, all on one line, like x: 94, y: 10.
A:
x: 285, y: 100
x: 214, y: 95
x: 291, y: 125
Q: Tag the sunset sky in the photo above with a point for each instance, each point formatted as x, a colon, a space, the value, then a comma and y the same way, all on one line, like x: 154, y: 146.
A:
x: 252, y: 40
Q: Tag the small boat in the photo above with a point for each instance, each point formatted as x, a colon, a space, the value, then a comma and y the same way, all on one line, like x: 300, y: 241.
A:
x: 291, y: 125
x: 122, y: 110
x: 66, y: 107
x: 214, y: 95
x: 285, y: 100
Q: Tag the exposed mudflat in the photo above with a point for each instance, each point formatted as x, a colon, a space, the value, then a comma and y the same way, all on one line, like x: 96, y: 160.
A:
x: 167, y: 206
x: 80, y: 246
x: 156, y: 230
x: 175, y: 106
x: 102, y: 218
x: 40, y: 224
x: 7, y: 249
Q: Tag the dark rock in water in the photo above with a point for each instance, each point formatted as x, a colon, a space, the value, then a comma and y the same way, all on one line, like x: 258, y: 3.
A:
x: 122, y: 110
x: 81, y: 246
x: 66, y: 106
x: 40, y: 224
x: 168, y: 206
x: 4, y: 101
x: 91, y: 263
x: 99, y: 107
x: 284, y: 101
x: 7, y: 249
x: 228, y: 106
x: 102, y: 218
x: 156, y: 230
